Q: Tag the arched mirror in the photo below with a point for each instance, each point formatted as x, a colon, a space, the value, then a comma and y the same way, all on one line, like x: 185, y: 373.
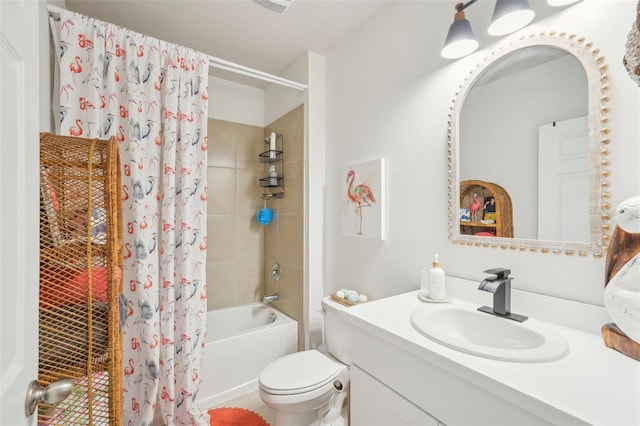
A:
x: 528, y: 144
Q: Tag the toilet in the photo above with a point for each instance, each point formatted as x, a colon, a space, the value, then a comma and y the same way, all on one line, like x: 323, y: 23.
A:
x: 309, y: 387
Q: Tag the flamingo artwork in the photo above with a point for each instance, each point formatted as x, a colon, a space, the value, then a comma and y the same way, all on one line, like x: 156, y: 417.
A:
x: 361, y: 196
x: 475, y: 206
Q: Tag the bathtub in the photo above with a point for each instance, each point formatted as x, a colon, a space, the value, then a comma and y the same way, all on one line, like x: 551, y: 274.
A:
x: 240, y: 342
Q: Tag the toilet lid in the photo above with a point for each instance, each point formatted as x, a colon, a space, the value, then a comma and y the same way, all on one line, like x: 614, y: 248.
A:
x: 298, y: 373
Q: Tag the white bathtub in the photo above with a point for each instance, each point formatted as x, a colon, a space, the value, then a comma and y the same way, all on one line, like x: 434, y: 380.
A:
x: 240, y: 342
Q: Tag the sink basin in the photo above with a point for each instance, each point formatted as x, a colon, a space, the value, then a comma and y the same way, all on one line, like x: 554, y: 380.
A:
x: 488, y: 336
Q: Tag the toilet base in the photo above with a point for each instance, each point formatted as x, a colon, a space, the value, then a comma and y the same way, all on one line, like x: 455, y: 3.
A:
x: 325, y: 410
x: 338, y: 422
x: 297, y: 419
x: 312, y: 418
x: 333, y: 416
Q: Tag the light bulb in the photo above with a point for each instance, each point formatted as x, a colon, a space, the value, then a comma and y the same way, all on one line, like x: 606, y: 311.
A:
x: 460, y: 40
x: 510, y: 16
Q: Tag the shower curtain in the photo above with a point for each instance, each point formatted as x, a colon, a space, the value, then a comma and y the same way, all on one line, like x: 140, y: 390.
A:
x: 152, y: 96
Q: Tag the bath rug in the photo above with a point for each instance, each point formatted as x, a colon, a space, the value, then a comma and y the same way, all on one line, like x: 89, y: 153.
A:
x: 234, y: 416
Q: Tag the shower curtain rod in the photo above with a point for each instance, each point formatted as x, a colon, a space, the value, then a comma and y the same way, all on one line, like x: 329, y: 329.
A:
x: 222, y: 64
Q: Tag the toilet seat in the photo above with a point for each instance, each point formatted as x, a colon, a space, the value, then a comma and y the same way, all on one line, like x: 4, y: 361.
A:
x: 298, y: 373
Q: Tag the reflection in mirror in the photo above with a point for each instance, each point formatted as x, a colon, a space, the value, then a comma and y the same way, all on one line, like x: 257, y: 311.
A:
x: 531, y: 120
x: 522, y: 103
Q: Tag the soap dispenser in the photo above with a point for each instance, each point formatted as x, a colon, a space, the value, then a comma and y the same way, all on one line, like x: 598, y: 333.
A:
x: 436, y: 283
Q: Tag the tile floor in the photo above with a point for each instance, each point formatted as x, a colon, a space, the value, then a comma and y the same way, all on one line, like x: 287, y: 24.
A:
x: 253, y: 402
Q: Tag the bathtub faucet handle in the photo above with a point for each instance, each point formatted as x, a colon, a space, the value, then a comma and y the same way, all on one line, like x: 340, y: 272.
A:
x: 275, y: 272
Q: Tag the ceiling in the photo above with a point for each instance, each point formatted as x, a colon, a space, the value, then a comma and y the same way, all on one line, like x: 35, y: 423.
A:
x: 246, y: 33
x: 239, y: 31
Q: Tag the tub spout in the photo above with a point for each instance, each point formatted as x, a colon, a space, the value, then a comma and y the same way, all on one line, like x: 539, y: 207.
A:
x: 270, y: 298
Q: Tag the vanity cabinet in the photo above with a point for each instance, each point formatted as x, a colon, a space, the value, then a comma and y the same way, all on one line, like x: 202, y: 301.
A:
x: 393, y: 386
x: 402, y: 377
x: 374, y: 404
x: 485, y: 209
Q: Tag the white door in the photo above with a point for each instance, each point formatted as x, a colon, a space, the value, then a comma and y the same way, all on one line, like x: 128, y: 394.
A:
x: 19, y: 215
x: 563, y: 181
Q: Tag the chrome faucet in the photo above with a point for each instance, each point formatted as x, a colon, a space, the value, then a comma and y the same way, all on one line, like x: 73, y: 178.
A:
x: 500, y: 286
x: 270, y: 298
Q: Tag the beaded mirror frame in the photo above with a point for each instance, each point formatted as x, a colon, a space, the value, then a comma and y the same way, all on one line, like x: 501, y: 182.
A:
x: 599, y: 165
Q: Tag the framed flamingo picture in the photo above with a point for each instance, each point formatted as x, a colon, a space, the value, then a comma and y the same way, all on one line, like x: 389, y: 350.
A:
x: 363, y: 200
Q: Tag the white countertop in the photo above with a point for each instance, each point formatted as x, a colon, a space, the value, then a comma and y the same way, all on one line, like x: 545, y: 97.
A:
x: 593, y: 384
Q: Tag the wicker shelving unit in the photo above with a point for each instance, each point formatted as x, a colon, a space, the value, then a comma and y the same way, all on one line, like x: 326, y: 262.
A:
x: 80, y: 279
x: 480, y: 222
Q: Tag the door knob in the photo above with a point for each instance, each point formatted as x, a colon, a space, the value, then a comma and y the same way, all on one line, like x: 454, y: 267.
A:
x: 52, y: 394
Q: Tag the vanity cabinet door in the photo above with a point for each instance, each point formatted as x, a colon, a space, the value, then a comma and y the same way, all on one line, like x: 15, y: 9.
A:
x: 374, y: 404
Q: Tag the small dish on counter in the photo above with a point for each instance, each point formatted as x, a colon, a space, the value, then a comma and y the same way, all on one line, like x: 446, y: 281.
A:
x: 430, y: 300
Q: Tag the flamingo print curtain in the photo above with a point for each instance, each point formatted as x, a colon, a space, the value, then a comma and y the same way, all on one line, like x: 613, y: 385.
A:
x: 152, y: 95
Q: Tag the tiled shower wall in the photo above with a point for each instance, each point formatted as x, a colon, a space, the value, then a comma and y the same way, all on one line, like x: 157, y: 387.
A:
x: 235, y: 243
x: 240, y: 251
x: 284, y: 237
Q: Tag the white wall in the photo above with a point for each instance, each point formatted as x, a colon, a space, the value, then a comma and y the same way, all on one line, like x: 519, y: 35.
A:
x: 234, y: 102
x: 383, y: 100
x: 315, y: 180
x: 279, y: 100
x: 308, y: 69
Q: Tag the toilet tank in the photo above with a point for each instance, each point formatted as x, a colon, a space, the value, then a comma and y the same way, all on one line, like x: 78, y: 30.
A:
x: 337, y: 332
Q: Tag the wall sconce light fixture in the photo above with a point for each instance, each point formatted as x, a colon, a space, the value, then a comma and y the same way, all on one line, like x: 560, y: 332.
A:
x: 460, y: 40
x: 508, y: 16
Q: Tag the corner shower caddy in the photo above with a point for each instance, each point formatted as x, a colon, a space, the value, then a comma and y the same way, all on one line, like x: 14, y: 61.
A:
x: 275, y: 185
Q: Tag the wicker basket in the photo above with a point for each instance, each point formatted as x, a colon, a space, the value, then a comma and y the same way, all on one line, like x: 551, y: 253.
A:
x: 80, y: 278
x: 344, y: 301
